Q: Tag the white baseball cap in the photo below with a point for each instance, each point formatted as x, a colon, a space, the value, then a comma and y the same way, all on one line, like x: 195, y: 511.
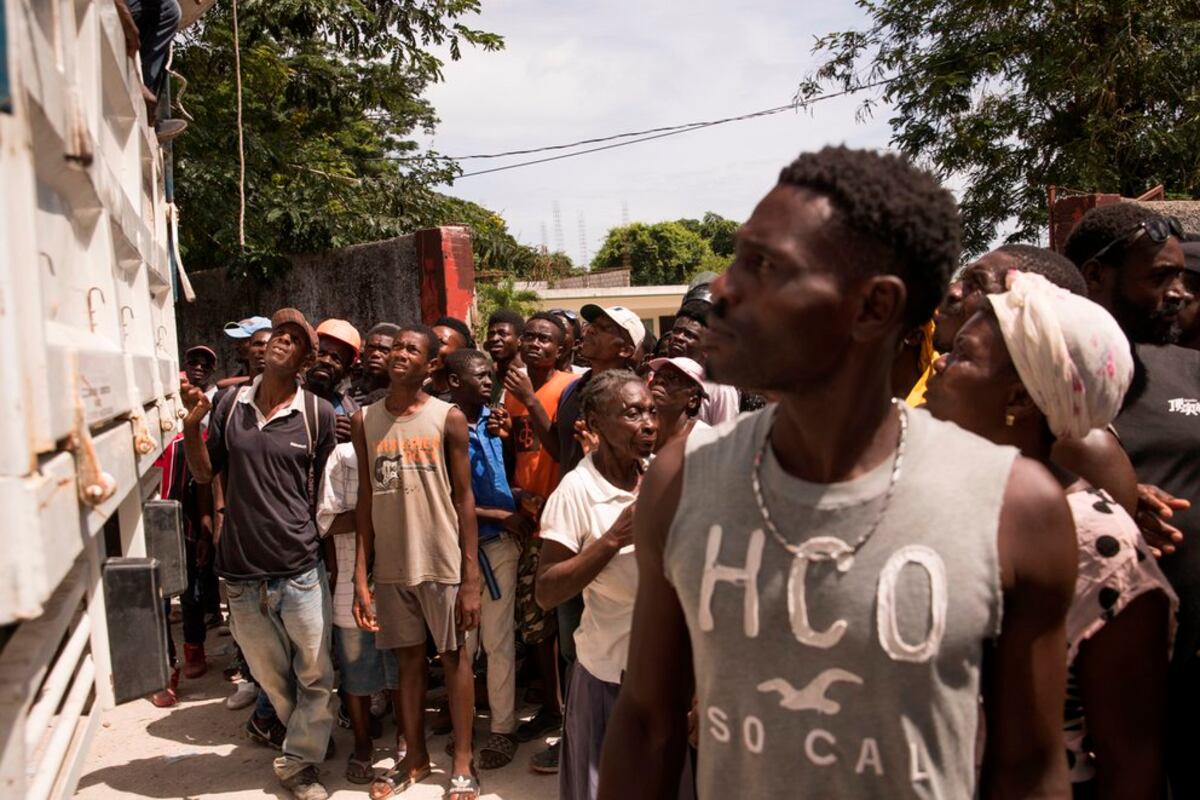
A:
x: 620, y: 315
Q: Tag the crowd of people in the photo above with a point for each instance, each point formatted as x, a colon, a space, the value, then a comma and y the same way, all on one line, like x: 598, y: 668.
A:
x: 861, y: 524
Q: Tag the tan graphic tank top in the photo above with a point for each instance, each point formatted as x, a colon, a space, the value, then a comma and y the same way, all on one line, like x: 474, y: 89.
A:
x: 412, y: 508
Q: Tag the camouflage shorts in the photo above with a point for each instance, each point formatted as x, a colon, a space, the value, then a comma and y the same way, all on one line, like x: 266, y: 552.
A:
x: 534, y: 624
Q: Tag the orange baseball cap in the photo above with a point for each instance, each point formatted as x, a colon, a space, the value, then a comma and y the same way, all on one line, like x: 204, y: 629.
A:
x: 343, y: 331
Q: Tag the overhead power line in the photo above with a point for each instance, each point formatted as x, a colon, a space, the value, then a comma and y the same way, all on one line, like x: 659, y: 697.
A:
x: 636, y: 137
x: 687, y: 126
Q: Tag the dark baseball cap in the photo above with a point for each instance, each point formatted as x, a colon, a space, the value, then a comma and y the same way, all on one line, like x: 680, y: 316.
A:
x: 1191, y: 257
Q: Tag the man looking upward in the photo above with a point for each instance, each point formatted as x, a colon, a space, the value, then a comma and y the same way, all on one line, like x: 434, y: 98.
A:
x: 453, y: 334
x: 339, y: 343
x: 271, y: 440
x: 1133, y: 261
x: 531, y: 402
x: 415, y: 522
x: 373, y: 379
x: 836, y: 566
x: 503, y: 344
x: 721, y: 401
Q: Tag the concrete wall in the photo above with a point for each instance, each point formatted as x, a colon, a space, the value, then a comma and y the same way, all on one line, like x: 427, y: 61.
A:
x: 654, y: 305
x: 1067, y: 212
x: 598, y: 279
x: 365, y: 284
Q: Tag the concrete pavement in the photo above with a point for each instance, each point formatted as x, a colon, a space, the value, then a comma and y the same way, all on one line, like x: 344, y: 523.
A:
x: 198, y: 749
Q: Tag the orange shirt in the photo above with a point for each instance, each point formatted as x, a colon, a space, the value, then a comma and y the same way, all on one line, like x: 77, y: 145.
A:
x: 536, y: 472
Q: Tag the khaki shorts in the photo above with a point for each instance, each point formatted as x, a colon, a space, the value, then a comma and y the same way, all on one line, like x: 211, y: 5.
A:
x: 404, y: 613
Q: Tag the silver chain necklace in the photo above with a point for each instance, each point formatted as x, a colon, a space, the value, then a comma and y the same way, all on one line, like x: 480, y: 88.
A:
x: 796, y: 550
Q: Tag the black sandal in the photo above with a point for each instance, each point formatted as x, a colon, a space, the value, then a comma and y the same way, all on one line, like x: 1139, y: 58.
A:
x: 498, y: 751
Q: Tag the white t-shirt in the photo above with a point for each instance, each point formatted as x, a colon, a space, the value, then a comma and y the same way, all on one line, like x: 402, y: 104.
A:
x: 577, y: 514
x: 338, y: 494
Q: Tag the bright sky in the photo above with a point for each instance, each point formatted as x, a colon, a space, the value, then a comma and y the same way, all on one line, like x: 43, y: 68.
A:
x: 574, y: 70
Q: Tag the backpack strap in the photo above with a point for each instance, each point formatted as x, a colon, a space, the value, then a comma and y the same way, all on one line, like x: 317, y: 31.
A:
x: 312, y: 421
x: 225, y: 409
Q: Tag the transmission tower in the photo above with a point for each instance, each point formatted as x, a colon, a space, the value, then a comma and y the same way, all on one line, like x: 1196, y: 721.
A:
x: 626, y: 258
x: 583, y: 248
x: 559, y: 241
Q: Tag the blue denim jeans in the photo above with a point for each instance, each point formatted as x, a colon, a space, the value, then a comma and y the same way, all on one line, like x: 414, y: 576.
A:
x: 283, y: 626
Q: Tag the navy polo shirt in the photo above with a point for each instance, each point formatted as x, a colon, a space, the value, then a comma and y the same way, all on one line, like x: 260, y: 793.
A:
x: 269, y: 531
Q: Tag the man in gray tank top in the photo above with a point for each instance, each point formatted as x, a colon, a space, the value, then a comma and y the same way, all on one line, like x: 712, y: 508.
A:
x: 843, y: 577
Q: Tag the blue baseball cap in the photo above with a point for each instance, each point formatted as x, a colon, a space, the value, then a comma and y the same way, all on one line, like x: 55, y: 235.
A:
x: 244, y: 329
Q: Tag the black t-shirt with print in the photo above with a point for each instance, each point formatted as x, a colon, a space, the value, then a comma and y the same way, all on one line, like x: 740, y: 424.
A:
x: 1161, y: 433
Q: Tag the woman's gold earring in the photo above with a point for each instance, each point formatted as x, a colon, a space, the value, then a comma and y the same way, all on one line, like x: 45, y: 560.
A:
x: 1009, y: 419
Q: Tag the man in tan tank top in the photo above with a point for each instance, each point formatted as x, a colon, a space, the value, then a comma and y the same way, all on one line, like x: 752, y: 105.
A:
x: 417, y: 540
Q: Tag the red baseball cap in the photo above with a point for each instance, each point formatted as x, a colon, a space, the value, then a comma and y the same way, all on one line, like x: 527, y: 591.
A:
x: 201, y: 348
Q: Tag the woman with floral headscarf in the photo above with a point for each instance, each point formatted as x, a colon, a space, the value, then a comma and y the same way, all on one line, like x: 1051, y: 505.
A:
x: 1036, y: 365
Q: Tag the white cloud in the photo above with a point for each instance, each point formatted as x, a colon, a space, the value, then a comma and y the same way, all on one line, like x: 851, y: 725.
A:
x: 572, y: 70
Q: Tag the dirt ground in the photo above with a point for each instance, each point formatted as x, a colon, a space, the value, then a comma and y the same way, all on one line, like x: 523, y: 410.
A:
x: 198, y: 749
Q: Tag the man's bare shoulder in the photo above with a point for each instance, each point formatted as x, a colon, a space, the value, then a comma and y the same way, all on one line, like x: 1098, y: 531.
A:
x: 1037, y: 531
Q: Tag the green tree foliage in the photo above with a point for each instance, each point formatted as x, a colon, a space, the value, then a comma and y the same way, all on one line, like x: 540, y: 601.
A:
x: 492, y: 296
x: 662, y: 253
x: 1095, y: 95
x: 332, y: 93
x: 716, y: 230
x: 496, y: 250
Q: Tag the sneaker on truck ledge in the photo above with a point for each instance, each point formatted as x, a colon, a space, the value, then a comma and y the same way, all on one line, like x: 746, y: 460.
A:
x: 168, y: 129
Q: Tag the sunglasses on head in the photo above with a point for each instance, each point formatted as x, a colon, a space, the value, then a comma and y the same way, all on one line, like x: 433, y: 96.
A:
x: 564, y: 312
x: 1157, y: 229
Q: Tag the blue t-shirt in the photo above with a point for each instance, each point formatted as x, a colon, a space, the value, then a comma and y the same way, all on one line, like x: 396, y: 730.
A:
x: 488, y: 479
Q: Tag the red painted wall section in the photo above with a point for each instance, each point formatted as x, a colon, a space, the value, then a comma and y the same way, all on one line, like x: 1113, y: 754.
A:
x: 447, y: 273
x: 1067, y: 211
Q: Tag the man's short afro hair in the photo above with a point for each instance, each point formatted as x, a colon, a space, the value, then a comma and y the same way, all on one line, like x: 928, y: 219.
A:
x: 507, y: 316
x: 458, y: 325
x: 553, y: 319
x: 1050, y: 265
x: 432, y: 343
x: 882, y: 198
x: 464, y: 358
x: 1098, y: 227
x: 697, y: 310
x: 389, y: 329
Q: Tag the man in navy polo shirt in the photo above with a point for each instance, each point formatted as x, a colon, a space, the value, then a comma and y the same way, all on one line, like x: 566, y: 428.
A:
x: 271, y: 439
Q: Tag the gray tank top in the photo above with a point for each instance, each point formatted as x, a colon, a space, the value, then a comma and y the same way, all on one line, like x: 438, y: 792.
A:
x: 839, y: 677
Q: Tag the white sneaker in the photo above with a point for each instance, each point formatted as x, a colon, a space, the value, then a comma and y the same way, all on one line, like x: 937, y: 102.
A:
x: 305, y: 785
x: 244, y: 695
